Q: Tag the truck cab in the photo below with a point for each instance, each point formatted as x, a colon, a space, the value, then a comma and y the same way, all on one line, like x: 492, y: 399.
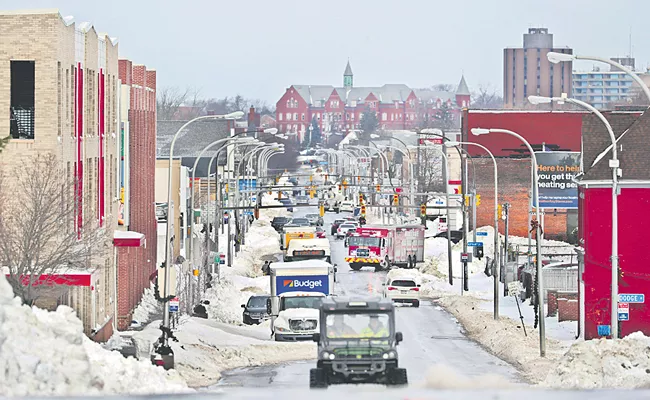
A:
x: 383, y: 246
x: 357, y: 343
x: 308, y: 249
x: 367, y: 247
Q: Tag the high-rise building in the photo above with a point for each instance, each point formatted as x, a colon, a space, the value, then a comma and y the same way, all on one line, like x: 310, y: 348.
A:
x: 527, y: 71
x: 603, y: 89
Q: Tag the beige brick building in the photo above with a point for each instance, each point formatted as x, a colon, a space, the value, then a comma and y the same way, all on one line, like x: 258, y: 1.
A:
x: 59, y: 82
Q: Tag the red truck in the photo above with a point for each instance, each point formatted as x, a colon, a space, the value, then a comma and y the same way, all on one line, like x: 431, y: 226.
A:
x: 382, y: 246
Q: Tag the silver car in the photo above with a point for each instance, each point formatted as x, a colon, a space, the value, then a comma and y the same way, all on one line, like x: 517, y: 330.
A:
x: 314, y: 219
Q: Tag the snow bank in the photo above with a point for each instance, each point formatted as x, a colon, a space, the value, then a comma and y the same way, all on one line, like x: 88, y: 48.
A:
x: 446, y: 378
x: 47, y: 353
x: 227, y: 296
x: 603, y: 363
x: 148, y: 309
x: 504, y: 337
x: 206, y: 348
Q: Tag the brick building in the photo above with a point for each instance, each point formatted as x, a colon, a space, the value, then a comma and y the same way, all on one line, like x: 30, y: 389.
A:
x: 136, y: 239
x: 557, y: 131
x: 339, y: 109
x: 595, y: 220
x: 58, y: 90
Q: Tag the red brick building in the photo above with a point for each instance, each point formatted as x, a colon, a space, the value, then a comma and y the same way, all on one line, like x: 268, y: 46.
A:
x: 339, y: 109
x: 137, y: 238
x: 557, y: 130
x: 595, y: 220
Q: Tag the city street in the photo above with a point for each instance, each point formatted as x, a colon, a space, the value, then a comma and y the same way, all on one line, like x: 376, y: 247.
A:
x: 432, y: 337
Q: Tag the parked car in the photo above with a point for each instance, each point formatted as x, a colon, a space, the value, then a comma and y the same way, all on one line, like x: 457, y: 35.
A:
x: 315, y: 219
x: 347, y: 206
x: 287, y: 203
x: 335, y: 225
x: 344, y: 228
x: 402, y: 289
x: 255, y: 310
x: 300, y: 221
x: 320, y: 232
x: 278, y: 222
x: 302, y: 200
x: 456, y: 236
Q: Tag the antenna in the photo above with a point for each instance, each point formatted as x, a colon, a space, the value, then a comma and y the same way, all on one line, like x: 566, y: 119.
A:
x: 630, y: 53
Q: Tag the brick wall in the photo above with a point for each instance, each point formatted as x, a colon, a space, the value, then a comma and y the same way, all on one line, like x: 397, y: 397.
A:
x: 551, y: 303
x: 137, y: 264
x: 568, y: 310
x: 513, y: 187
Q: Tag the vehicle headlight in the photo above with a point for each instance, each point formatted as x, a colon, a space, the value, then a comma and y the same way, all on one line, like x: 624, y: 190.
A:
x: 281, y: 329
x: 389, y: 355
x: 332, y: 356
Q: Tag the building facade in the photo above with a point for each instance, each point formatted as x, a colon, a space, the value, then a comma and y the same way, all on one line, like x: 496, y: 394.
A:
x: 339, y: 109
x: 136, y: 241
x: 527, y: 71
x: 603, y: 89
x: 59, y: 89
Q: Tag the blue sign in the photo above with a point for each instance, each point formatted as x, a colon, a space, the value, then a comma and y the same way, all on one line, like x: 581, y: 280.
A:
x: 248, y: 213
x: 323, y: 163
x: 222, y: 261
x: 475, y: 244
x: 246, y: 184
x: 481, y: 233
x: 314, y: 283
x: 631, y: 298
x: 604, y: 330
x: 623, y: 316
x: 173, y: 308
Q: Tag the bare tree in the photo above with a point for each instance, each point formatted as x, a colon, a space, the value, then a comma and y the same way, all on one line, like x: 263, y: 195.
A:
x: 444, y: 87
x: 169, y: 99
x: 487, y: 97
x: 37, y: 230
x: 430, y: 171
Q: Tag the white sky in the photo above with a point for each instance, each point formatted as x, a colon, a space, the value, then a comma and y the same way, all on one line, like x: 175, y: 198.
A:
x: 260, y: 47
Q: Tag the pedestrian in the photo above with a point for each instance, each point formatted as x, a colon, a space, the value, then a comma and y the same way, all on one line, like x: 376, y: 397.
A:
x: 266, y: 268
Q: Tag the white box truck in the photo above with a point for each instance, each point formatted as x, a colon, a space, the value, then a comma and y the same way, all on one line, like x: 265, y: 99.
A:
x: 308, y: 249
x: 297, y: 289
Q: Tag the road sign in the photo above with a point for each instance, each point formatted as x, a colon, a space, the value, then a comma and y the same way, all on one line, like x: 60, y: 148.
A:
x: 604, y: 330
x: 475, y: 244
x: 248, y: 213
x: 464, y: 257
x: 431, y: 140
x: 173, y: 304
x: 623, y: 311
x: 631, y: 298
x: 514, y: 288
x: 481, y: 233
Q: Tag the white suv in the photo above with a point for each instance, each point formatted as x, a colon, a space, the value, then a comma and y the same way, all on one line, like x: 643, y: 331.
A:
x: 402, y: 289
x: 347, y: 206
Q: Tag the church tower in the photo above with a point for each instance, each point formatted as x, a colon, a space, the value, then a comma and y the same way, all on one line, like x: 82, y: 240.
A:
x: 347, y: 77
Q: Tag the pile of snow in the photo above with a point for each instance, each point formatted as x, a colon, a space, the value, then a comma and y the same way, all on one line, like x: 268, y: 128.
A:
x: 447, y: 378
x: 228, y: 294
x: 206, y: 348
x: 47, y: 353
x: 148, y: 309
x: 603, y: 363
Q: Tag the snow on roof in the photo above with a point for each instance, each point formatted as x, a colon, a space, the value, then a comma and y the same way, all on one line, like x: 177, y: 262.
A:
x: 127, y: 235
x: 301, y: 264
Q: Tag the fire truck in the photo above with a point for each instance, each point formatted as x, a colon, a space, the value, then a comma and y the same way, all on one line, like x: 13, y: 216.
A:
x: 384, y: 246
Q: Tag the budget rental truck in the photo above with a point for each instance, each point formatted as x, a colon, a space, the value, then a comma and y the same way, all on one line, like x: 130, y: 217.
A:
x: 297, y: 289
x: 381, y: 246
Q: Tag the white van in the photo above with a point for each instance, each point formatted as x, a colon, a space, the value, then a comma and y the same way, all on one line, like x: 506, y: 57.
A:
x: 347, y: 205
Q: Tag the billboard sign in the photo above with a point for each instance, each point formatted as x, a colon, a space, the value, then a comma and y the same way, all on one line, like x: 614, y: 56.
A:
x: 555, y: 172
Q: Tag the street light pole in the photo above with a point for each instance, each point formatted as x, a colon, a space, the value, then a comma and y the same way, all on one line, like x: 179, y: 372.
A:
x: 614, y: 164
x: 164, y: 348
x: 496, y: 222
x: 538, y: 225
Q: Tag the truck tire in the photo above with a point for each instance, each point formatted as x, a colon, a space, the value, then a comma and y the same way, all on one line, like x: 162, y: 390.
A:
x: 317, y: 378
x: 397, y: 377
x: 416, y: 303
x: 355, y: 266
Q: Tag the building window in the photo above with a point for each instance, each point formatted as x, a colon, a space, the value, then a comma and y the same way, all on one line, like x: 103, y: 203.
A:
x: 295, y: 116
x: 21, y: 106
x: 280, y: 117
x: 384, y: 117
x: 288, y: 116
x: 302, y: 116
x: 352, y: 116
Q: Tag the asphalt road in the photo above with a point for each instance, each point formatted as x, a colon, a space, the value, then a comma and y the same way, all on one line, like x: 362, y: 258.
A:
x: 432, y: 337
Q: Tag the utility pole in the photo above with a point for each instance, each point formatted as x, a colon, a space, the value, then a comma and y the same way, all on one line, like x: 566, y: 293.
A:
x: 464, y: 286
x: 474, y: 214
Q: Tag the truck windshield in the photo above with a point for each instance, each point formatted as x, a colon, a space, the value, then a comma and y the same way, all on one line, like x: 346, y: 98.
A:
x: 357, y: 326
x: 364, y: 241
x: 300, y: 302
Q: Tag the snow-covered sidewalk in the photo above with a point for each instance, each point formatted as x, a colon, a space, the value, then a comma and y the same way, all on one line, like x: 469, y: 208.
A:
x: 46, y: 353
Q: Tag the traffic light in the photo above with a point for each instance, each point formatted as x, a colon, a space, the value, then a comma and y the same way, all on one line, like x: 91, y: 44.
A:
x: 361, y: 198
x: 466, y: 201
x: 478, y: 200
x: 279, y: 194
x: 395, y: 199
x: 423, y: 209
x: 226, y: 188
x: 321, y: 209
x: 363, y: 210
x: 478, y: 251
x: 326, y: 177
x: 378, y: 187
x: 256, y: 213
x: 339, y: 188
x: 311, y: 178
x: 500, y: 211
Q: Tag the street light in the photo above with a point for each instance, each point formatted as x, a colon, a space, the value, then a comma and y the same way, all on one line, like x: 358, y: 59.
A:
x: 496, y: 222
x: 164, y: 348
x: 556, y: 58
x: 534, y: 184
x: 614, y: 165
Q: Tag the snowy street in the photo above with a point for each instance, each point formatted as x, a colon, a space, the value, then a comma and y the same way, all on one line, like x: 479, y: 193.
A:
x: 433, y: 339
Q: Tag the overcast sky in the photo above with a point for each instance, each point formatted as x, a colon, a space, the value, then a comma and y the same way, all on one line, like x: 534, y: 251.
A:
x: 260, y: 47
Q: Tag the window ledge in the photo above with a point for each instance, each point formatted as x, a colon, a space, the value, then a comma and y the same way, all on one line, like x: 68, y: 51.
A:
x: 25, y: 141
